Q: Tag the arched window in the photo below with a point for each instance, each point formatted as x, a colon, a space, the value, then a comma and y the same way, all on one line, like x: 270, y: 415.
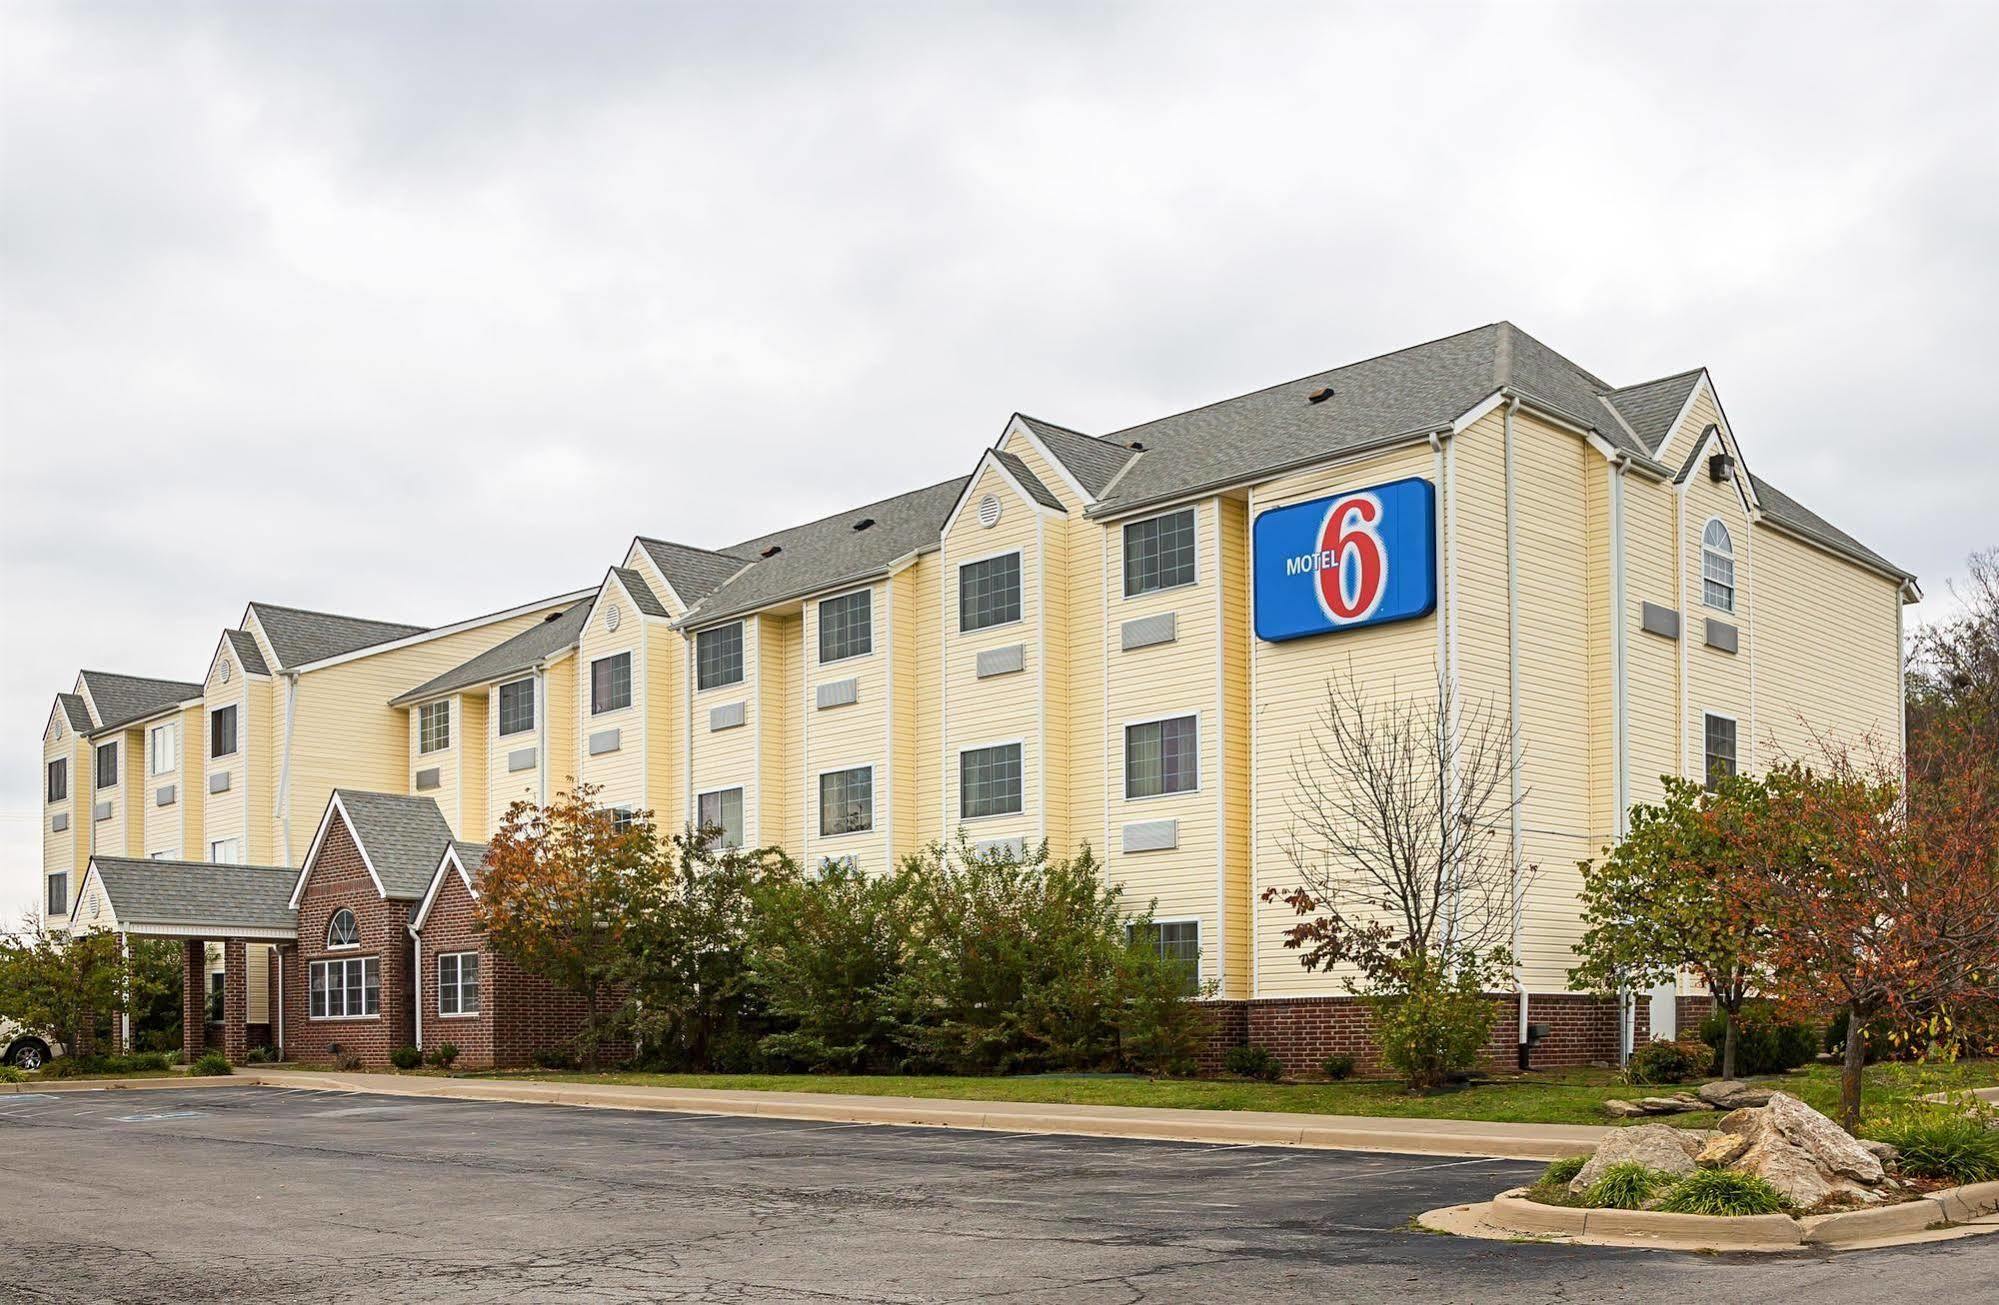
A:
x: 340, y: 932
x: 1717, y: 567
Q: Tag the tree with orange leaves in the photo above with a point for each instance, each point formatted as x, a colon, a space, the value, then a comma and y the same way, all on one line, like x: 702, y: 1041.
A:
x: 553, y: 897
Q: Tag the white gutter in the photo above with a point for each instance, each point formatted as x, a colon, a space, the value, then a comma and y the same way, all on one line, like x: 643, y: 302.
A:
x: 284, y: 768
x: 1513, y: 708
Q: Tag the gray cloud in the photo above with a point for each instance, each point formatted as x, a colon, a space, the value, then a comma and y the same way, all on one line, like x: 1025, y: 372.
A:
x: 319, y: 303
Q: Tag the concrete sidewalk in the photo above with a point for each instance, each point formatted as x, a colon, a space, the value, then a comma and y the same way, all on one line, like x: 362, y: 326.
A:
x: 1443, y: 1137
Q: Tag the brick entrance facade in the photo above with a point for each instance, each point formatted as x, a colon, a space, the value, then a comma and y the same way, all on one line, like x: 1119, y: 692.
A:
x: 338, y: 879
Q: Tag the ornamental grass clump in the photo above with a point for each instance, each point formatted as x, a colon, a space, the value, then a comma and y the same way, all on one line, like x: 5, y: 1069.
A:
x: 1959, y: 1148
x: 1723, y: 1192
x: 1625, y: 1186
x: 1562, y: 1172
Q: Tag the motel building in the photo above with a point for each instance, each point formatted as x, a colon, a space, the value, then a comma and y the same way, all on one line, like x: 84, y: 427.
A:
x: 1117, y: 639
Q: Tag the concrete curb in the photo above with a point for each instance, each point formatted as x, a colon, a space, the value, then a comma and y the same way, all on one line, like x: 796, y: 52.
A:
x: 1955, y: 1212
x: 1446, y: 1137
x: 124, y: 1084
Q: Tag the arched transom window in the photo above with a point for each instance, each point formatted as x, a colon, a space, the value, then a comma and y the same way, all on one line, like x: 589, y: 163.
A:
x: 341, y: 931
x: 1717, y: 567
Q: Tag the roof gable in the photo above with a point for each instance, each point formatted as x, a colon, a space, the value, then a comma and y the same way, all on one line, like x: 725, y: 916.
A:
x: 510, y: 657
x: 639, y: 591
x: 464, y: 859
x: 1094, y: 463
x: 1655, y: 409
x: 122, y: 699
x: 68, y: 711
x: 692, y: 573
x: 399, y: 838
x: 299, y: 636
x: 171, y: 896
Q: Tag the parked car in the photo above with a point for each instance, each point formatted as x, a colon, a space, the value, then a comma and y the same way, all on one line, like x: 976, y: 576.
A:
x: 25, y: 1050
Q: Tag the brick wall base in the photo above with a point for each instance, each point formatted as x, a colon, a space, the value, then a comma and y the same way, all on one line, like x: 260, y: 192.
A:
x: 1581, y: 1029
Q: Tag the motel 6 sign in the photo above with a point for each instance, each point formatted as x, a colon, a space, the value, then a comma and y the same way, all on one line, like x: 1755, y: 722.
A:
x: 1364, y: 557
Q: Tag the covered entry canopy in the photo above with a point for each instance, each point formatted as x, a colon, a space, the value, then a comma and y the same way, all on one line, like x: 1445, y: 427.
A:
x: 238, y: 906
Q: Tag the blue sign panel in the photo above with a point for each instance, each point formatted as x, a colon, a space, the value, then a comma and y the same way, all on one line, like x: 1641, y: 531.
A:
x: 1365, y: 557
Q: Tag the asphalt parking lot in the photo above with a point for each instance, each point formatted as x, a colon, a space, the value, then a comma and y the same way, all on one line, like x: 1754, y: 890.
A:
x: 281, y: 1195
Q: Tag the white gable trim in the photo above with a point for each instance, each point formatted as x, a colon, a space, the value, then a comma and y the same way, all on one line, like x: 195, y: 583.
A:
x: 1750, y: 510
x: 1686, y: 410
x: 425, y: 636
x: 446, y: 862
x: 990, y: 458
x: 319, y: 839
x: 91, y: 876
x: 637, y: 554
x: 1018, y: 427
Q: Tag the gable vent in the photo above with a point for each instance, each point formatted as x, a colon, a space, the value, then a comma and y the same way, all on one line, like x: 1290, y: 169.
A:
x: 989, y: 511
x: 864, y: 523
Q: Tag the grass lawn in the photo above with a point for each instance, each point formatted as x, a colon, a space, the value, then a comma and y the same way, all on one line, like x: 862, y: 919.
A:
x: 1555, y: 1097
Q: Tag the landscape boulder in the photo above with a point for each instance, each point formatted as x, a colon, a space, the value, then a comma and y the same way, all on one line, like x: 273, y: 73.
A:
x: 1801, y: 1153
x: 1733, y: 1094
x: 1656, y: 1146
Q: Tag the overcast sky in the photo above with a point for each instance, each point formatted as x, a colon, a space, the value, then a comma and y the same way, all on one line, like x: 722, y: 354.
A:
x: 415, y: 311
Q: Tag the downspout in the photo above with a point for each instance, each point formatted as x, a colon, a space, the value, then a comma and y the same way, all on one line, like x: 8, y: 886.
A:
x: 541, y: 733
x: 1513, y: 722
x: 416, y: 951
x: 284, y: 769
x: 1620, y: 759
x: 1447, y: 683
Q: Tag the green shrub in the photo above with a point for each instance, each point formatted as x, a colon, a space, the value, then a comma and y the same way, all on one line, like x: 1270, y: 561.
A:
x: 8, y: 1074
x: 212, y: 1065
x: 1253, y: 1062
x: 1879, y: 1034
x: 1625, y: 1186
x: 1667, y: 1062
x: 259, y: 1056
x: 1561, y: 1173
x: 406, y: 1058
x: 1765, y: 1042
x: 144, y: 1062
x: 553, y: 1058
x: 1433, y: 1030
x: 1337, y: 1066
x: 1939, y: 1143
x: 1722, y: 1191
x: 828, y: 951
x: 444, y: 1054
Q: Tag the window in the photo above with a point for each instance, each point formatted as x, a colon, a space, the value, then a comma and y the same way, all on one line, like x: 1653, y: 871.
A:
x: 1717, y: 567
x: 846, y: 626
x: 58, y: 899
x: 610, y: 683
x: 723, y: 810
x: 217, y: 986
x: 222, y: 732
x: 341, y: 930
x: 163, y: 748
x: 344, y: 989
x: 847, y: 801
x: 1178, y: 941
x: 1162, y: 756
x: 718, y: 656
x: 989, y: 592
x: 1719, y: 749
x: 458, y: 983
x: 622, y: 819
x: 107, y: 765
x: 1159, y: 553
x: 226, y: 851
x: 433, y: 726
x: 517, y: 707
x: 59, y: 779
x: 989, y: 781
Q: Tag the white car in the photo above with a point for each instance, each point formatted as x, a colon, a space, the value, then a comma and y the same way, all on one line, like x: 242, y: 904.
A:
x: 25, y: 1050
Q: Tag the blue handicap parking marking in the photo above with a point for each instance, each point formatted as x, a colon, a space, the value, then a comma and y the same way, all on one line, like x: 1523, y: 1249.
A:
x: 154, y: 1118
x: 21, y: 1098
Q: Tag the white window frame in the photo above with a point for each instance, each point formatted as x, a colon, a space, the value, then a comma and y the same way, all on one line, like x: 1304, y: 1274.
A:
x: 457, y: 986
x: 97, y: 766
x: 1728, y: 556
x: 48, y: 892
x: 56, y: 766
x: 1193, y: 512
x: 1200, y: 945
x: 326, y: 965
x: 500, y: 708
x: 1707, y: 773
x: 334, y: 919
x: 425, y: 744
x: 623, y: 816
x: 742, y: 813
x: 163, y: 740
x: 820, y: 641
x: 1124, y: 755
x: 958, y: 592
x: 235, y: 743
x: 591, y: 687
x: 225, y: 851
x: 1021, y: 810
x: 742, y: 656
x: 819, y: 800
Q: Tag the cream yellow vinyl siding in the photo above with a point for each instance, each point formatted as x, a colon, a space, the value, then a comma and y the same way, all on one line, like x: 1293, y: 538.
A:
x: 1827, y: 664
x: 619, y: 776
x: 175, y: 830
x: 1162, y: 681
x: 1655, y: 701
x: 925, y: 672
x: 503, y: 786
x: 850, y: 736
x: 67, y: 851
x: 225, y: 815
x: 774, y: 802
x: 1290, y: 686
x: 668, y: 679
x: 1000, y: 709
x: 1718, y: 682
x: 123, y: 833
x: 453, y: 763
x: 558, y: 726
x: 346, y: 735
x: 257, y: 976
x: 725, y: 759
x: 1233, y: 792
x: 263, y: 724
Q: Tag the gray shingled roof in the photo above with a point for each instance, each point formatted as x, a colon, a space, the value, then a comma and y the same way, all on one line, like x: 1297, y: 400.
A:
x: 122, y: 699
x: 248, y: 654
x: 641, y: 592
x: 1030, y: 482
x: 403, y: 837
x: 694, y: 573
x: 76, y: 711
x: 827, y: 553
x: 1649, y: 409
x: 1093, y: 462
x: 1787, y: 511
x: 194, y: 893
x: 1422, y: 388
x: 299, y: 636
x: 472, y: 856
x: 514, y: 656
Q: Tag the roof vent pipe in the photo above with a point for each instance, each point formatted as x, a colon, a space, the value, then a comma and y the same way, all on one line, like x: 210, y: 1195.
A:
x: 772, y: 551
x: 864, y: 523
x: 1320, y: 396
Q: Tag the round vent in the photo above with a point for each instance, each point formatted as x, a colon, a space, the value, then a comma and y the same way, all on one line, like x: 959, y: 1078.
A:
x: 612, y: 616
x: 989, y: 511
x: 222, y: 671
